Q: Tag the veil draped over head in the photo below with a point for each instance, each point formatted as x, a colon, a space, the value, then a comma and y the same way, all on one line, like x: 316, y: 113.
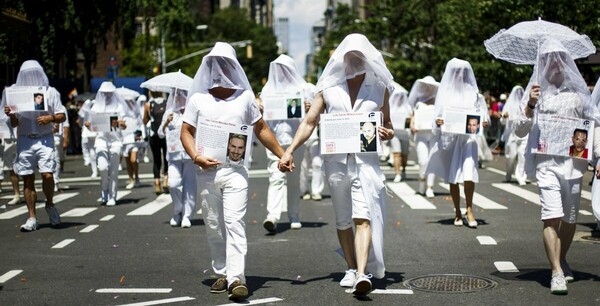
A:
x: 354, y: 56
x: 400, y: 109
x: 107, y: 97
x: 423, y: 90
x: 513, y: 102
x: 458, y: 88
x: 31, y: 74
x: 283, y: 76
x: 176, y: 100
x: 219, y: 68
x: 556, y: 72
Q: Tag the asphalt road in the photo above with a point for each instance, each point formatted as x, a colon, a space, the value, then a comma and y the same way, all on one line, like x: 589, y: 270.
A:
x: 129, y: 254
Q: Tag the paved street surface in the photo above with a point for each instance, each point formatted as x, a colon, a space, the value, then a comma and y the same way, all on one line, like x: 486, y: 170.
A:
x: 128, y: 254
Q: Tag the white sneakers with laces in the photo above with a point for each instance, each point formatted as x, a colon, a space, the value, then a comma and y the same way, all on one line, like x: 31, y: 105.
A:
x: 558, y: 284
x: 429, y: 193
x: 349, y: 279
x: 362, y: 285
x: 397, y: 178
x: 186, y: 223
x: 30, y: 225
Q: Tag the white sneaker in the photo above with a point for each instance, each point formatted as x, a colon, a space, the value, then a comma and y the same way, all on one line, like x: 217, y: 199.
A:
x: 175, y: 221
x: 397, y: 178
x: 306, y: 196
x: 130, y: 185
x: 421, y: 187
x: 53, y: 215
x: 429, y: 193
x: 111, y: 202
x: 16, y: 200
x: 94, y: 174
x: 296, y: 225
x: 558, y: 284
x: 30, y: 225
x: 186, y: 223
x: 55, y: 187
x: 120, y: 167
x: 522, y: 182
x: 146, y: 159
x: 349, y: 279
x: 362, y: 285
x: 316, y: 197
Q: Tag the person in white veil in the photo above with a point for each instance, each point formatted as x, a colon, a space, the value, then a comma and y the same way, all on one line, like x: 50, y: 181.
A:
x: 400, y: 111
x: 221, y: 91
x: 559, y: 90
x: 132, y: 138
x: 108, y: 145
x: 283, y: 77
x: 8, y: 153
x: 454, y: 156
x: 422, y: 98
x: 181, y: 170
x: 35, y: 143
x: 355, y: 79
x: 514, y: 148
x: 595, y: 184
x: 312, y: 183
x: 88, y: 138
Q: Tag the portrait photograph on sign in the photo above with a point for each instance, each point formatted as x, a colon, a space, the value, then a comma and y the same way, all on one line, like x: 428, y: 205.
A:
x: 462, y: 121
x: 565, y: 136
x: 343, y: 133
x: 283, y: 105
x: 104, y: 122
x: 229, y: 143
x: 26, y: 98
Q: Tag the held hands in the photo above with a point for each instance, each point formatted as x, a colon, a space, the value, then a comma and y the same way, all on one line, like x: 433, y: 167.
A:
x: 385, y: 133
x: 206, y: 162
x: 286, y: 163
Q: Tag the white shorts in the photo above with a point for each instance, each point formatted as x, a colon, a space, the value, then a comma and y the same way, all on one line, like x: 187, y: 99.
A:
x: 399, y: 145
x: 35, y: 154
x: 559, y: 197
x: 130, y: 147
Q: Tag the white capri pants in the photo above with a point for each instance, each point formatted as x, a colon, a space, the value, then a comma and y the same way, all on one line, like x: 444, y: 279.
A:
x: 559, y: 197
x: 224, y: 199
x: 108, y: 152
x: 87, y: 147
x: 182, y: 186
x: 312, y: 159
x: 346, y: 192
x: 279, y: 196
x: 515, y: 151
x: 424, y: 144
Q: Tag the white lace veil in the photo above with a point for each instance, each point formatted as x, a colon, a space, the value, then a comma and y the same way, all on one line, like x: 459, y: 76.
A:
x: 354, y: 56
x: 108, y: 96
x: 283, y: 76
x: 596, y: 94
x: 513, y: 102
x: 458, y: 88
x: 31, y: 74
x: 219, y: 68
x: 400, y: 109
x: 177, y: 100
x: 423, y: 90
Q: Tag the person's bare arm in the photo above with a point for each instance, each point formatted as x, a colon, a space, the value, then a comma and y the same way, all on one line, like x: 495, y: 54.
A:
x: 146, y: 112
x: 386, y: 132
x: 14, y: 122
x: 189, y: 144
x: 267, y: 138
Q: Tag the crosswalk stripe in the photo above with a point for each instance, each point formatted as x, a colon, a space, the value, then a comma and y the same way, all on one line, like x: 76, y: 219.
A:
x: 164, y: 301
x: 89, y: 228
x: 586, y: 195
x: 17, y: 212
x: 505, y: 266
x: 518, y: 191
x: 151, y: 208
x: 408, y: 196
x: 63, y: 196
x: 497, y: 171
x: 122, y: 193
x: 107, y: 217
x: 78, y: 212
x: 392, y: 291
x: 585, y: 212
x: 479, y: 200
x: 255, y: 302
x: 486, y: 240
x: 63, y: 244
x: 134, y: 290
x: 8, y: 275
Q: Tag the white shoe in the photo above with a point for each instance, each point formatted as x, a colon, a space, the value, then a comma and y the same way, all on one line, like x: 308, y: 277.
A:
x: 55, y: 187
x: 471, y: 224
x: 349, y: 279
x: 316, y: 197
x: 186, y: 223
x: 175, y: 221
x: 111, y: 202
x: 429, y: 193
x: 30, y: 225
x: 522, y: 182
x: 16, y: 200
x: 306, y: 196
x: 53, y: 215
x: 296, y: 225
x: 397, y: 178
x: 146, y: 159
x: 94, y: 175
x: 120, y: 167
x: 362, y: 285
x: 130, y: 185
x: 421, y: 187
x: 558, y: 284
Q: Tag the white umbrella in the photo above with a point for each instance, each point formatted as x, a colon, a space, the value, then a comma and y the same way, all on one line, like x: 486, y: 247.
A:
x: 519, y: 44
x: 166, y: 82
x: 127, y: 94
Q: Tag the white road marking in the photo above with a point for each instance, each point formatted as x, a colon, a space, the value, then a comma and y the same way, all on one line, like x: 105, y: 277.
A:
x: 122, y: 193
x: 199, y: 211
x: 151, y: 208
x: 89, y: 228
x: 408, y: 196
x: 586, y: 195
x: 107, y: 217
x: 8, y: 275
x: 585, y: 212
x: 63, y: 244
x: 78, y: 212
x: 163, y: 301
x: 392, y: 291
x: 479, y: 200
x: 63, y: 196
x: 520, y: 192
x: 134, y: 290
x: 255, y: 302
x: 505, y: 266
x: 486, y: 240
x: 17, y: 212
x: 492, y: 169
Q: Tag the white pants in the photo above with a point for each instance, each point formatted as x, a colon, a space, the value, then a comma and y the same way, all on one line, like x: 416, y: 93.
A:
x: 224, y: 199
x: 182, y: 186
x: 87, y: 147
x: 424, y: 143
x: 279, y: 196
x: 312, y: 159
x: 515, y: 151
x: 108, y: 152
x: 58, y: 156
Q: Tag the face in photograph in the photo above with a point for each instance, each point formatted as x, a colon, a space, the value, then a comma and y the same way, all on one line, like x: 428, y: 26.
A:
x: 472, y: 125
x: 236, y: 147
x: 38, y: 99
x: 114, y: 123
x: 368, y: 137
x: 579, y: 143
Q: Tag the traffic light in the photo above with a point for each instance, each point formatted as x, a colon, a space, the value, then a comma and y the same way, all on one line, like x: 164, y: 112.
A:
x: 155, y: 69
x: 248, y: 51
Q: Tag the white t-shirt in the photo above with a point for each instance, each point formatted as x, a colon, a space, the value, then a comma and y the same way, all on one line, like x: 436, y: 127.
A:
x: 240, y: 108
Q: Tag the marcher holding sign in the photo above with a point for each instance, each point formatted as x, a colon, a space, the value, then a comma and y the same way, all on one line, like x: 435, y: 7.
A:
x: 111, y: 108
x: 284, y: 78
x: 458, y: 112
x: 355, y: 80
x: 221, y: 92
x: 422, y: 99
x: 557, y: 88
x: 35, y: 142
x: 181, y: 169
x: 514, y: 148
